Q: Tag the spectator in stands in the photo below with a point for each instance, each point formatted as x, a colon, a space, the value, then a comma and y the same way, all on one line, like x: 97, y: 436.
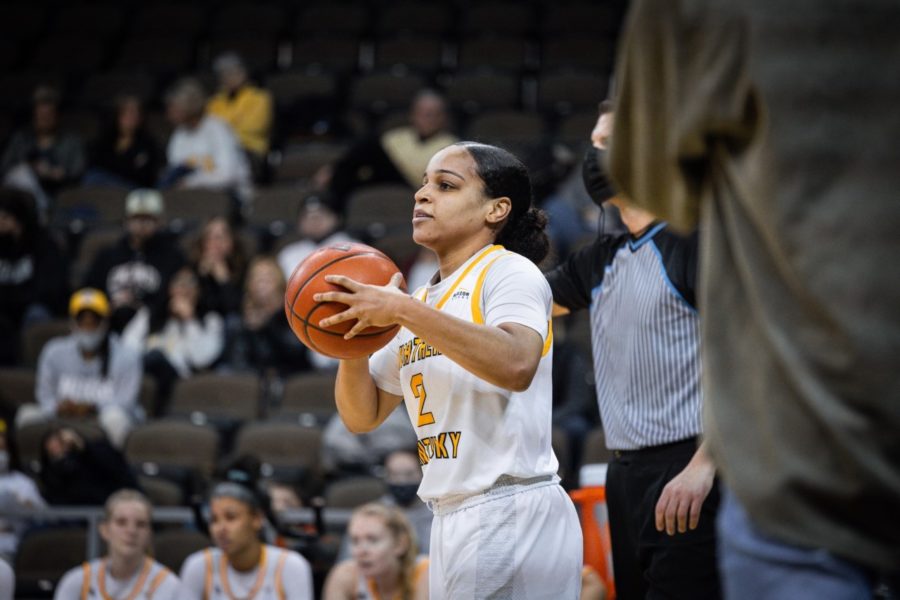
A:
x: 126, y: 571
x: 88, y: 373
x: 41, y: 158
x: 385, y: 562
x: 318, y: 226
x: 244, y: 106
x: 282, y: 496
x: 402, y: 475
x: 218, y: 259
x: 33, y: 271
x: 400, y: 155
x: 203, y: 151
x: 135, y: 271
x: 264, y: 342
x: 125, y: 154
x: 79, y: 471
x: 17, y: 491
x: 360, y: 453
x: 240, y: 565
x: 183, y: 340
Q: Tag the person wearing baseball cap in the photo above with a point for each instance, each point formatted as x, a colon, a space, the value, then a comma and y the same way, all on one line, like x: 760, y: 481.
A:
x: 135, y: 271
x: 88, y: 372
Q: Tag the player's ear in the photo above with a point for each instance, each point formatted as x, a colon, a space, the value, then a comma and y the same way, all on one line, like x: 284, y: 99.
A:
x: 499, y: 210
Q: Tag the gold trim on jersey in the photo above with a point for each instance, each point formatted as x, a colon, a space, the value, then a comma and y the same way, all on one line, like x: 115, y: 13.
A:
x: 462, y: 276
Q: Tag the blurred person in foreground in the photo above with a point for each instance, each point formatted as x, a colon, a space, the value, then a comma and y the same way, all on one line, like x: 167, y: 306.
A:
x: 7, y: 581
x: 736, y: 116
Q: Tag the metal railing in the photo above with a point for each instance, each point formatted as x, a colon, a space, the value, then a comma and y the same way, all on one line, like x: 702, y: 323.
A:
x: 334, y: 518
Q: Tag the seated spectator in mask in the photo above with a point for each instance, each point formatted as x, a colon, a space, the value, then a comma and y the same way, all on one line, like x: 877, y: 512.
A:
x: 33, y: 271
x: 343, y: 451
x: 183, y: 340
x: 135, y: 271
x: 125, y: 154
x: 79, y: 471
x: 402, y: 474
x: 399, y: 155
x: 203, y: 151
x: 17, y: 491
x: 88, y: 373
x: 244, y: 106
x: 42, y: 158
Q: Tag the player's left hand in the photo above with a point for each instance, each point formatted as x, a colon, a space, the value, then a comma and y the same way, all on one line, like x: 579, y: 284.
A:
x: 678, y: 508
x: 370, y: 305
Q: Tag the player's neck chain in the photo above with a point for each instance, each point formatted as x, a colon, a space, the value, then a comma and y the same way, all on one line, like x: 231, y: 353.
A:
x: 257, y: 585
x: 135, y: 590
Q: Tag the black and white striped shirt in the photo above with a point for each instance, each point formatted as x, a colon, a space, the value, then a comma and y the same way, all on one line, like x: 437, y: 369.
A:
x: 644, y: 333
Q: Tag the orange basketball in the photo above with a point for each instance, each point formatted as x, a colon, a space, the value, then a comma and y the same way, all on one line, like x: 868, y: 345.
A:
x: 358, y: 262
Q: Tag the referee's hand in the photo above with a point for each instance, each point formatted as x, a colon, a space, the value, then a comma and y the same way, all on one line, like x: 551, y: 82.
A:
x: 678, y: 508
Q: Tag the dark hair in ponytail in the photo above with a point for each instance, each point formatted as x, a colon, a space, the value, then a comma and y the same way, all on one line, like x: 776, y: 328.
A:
x: 505, y: 175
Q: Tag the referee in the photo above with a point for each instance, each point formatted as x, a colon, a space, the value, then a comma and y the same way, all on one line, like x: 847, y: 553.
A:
x: 661, y: 491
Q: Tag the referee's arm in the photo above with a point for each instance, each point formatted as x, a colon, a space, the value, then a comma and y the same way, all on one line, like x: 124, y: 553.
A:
x: 571, y: 281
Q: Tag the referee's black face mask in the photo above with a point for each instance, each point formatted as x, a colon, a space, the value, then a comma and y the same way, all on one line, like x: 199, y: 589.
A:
x: 593, y: 172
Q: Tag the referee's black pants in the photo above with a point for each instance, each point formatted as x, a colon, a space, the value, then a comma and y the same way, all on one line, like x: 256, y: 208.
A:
x: 648, y: 563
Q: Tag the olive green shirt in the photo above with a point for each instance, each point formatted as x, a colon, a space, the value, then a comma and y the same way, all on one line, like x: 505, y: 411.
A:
x: 776, y: 126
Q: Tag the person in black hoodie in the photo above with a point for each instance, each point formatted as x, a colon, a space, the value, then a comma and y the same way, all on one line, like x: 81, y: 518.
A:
x: 263, y: 342
x: 136, y: 270
x: 33, y: 271
x: 124, y: 155
x: 79, y: 471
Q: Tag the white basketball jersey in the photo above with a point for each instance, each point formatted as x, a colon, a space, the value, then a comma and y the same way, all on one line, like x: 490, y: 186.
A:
x: 146, y: 582
x: 470, y: 431
x: 267, y: 580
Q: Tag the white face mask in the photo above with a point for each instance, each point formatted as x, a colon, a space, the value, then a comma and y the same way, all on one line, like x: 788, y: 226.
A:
x: 4, y: 461
x: 89, y: 341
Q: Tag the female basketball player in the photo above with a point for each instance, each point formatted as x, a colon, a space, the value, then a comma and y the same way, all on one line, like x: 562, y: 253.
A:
x: 126, y: 571
x: 472, y: 363
x: 384, y: 563
x: 241, y: 566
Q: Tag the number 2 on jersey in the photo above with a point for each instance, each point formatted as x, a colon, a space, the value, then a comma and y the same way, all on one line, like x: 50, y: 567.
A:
x: 417, y: 385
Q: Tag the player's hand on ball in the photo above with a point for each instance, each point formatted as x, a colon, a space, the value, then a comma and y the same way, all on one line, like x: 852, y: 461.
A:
x: 370, y: 305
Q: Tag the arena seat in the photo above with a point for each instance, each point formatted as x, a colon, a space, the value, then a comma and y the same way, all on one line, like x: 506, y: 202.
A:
x: 286, y: 451
x: 354, y: 491
x: 44, y: 556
